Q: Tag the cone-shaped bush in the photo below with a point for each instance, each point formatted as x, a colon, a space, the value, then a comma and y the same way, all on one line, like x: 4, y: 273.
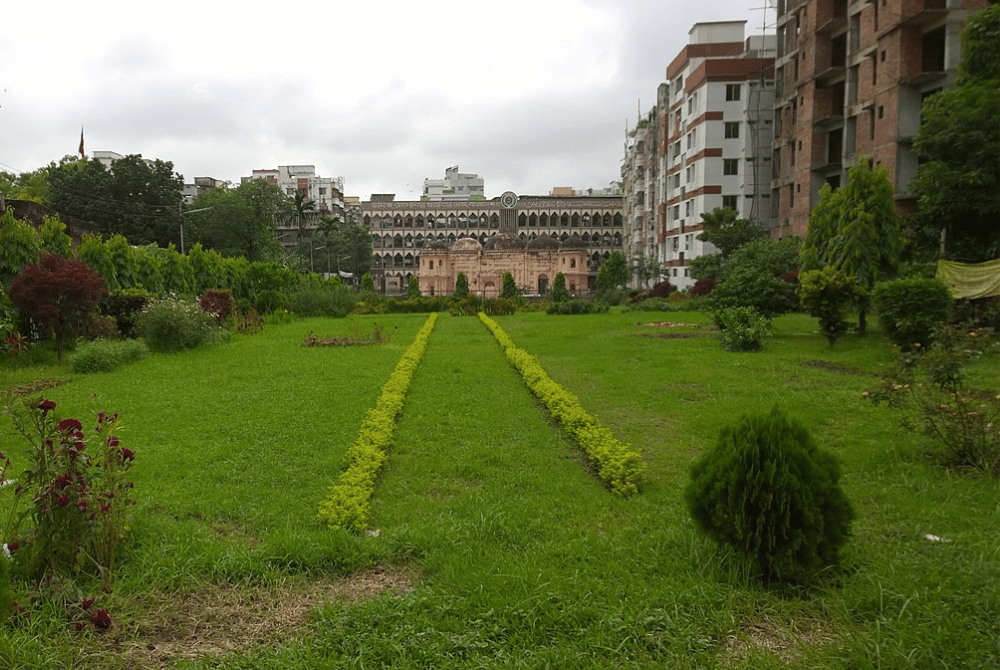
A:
x: 765, y: 490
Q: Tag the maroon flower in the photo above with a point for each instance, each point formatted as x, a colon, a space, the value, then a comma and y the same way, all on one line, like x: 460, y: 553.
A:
x: 112, y: 441
x: 45, y: 405
x: 13, y: 546
x: 127, y: 454
x: 67, y: 424
x: 87, y: 603
x: 62, y: 501
x: 82, y: 505
x: 80, y: 624
x: 101, y: 619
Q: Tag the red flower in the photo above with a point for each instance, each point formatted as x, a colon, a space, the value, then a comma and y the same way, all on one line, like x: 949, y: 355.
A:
x: 67, y: 424
x: 87, y: 602
x: 62, y: 501
x: 12, y: 546
x: 112, y: 441
x: 82, y: 505
x: 45, y: 405
x: 80, y: 624
x: 127, y: 454
x: 101, y: 619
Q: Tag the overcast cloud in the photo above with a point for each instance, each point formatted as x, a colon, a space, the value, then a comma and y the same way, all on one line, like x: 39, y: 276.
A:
x: 530, y: 94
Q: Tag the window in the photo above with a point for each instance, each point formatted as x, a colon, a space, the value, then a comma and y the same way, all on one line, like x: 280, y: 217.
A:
x: 732, y: 92
x: 431, y: 265
x: 730, y: 201
x: 730, y: 166
x: 732, y: 129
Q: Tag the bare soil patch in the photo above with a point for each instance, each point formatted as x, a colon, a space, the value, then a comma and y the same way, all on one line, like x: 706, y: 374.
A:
x: 783, y: 639
x: 219, y: 620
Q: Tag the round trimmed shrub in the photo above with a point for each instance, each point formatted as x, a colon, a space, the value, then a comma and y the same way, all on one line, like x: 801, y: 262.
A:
x: 768, y: 492
x: 909, y: 309
x: 742, y: 328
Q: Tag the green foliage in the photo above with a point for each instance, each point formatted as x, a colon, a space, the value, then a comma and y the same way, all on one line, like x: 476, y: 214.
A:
x: 856, y: 229
x: 509, y: 290
x: 825, y: 294
x: 218, y: 303
x: 766, y: 490
x: 172, y: 324
x: 19, y: 246
x: 52, y: 237
x: 646, y: 269
x: 106, y: 355
x: 727, y: 233
x: 330, y: 298
x: 558, y: 293
x: 413, y: 287
x: 367, y: 283
x: 124, y: 306
x: 346, y: 505
x: 461, y: 286
x: 958, y: 142
x: 578, y: 306
x: 472, y: 305
x: 612, y: 276
x: 754, y: 277
x: 134, y: 198
x: 741, y: 328
x: 910, y: 309
x: 931, y: 391
x: 618, y: 465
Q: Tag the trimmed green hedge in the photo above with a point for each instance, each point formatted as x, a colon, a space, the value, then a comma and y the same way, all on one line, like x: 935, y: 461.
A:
x: 618, y: 465
x: 346, y: 505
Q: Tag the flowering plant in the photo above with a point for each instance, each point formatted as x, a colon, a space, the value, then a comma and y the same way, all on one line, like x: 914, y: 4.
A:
x: 77, y: 489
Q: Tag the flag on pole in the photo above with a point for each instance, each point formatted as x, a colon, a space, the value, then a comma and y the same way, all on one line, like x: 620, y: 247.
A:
x: 82, y: 154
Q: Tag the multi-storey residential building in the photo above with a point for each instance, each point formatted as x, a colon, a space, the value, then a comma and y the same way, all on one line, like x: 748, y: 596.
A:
x: 456, y: 186
x: 402, y: 229
x: 201, y: 184
x: 851, y: 78
x: 706, y: 144
x: 326, y: 192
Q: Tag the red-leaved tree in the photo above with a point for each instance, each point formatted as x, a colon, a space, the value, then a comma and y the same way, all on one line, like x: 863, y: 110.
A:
x: 55, y: 293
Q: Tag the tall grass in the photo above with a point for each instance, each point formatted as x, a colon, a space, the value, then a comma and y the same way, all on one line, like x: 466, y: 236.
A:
x: 520, y: 557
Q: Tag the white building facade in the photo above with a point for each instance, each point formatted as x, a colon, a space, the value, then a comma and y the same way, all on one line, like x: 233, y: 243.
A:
x: 455, y: 187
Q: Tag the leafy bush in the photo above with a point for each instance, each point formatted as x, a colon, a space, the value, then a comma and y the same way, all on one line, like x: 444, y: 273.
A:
x: 703, y: 286
x: 172, y: 324
x: 767, y: 491
x: 743, y: 329
x: 559, y: 293
x: 825, y: 294
x: 472, y: 305
x: 106, y: 355
x: 269, y: 301
x: 578, y: 306
x: 218, y: 303
x: 929, y: 389
x: 94, y: 325
x: 754, y: 277
x: 125, y: 305
x: 327, y: 299
x: 909, y: 309
x: 417, y: 304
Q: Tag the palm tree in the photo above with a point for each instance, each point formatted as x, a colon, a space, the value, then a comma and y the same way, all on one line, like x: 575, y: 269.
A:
x: 303, y: 207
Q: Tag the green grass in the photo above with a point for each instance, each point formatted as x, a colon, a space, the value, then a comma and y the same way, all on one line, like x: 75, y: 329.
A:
x: 514, y: 554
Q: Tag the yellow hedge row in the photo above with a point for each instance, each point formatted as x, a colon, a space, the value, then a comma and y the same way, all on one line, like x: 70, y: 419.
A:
x: 618, y: 465
x: 346, y: 505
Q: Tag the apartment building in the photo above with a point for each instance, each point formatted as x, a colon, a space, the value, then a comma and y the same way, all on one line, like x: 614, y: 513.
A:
x: 455, y: 187
x: 326, y: 192
x: 851, y: 76
x: 706, y: 144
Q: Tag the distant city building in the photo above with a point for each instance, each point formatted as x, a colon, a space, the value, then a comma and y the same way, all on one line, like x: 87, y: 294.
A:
x: 614, y: 189
x: 851, y: 78
x: 107, y: 158
x: 456, y: 186
x: 706, y: 144
x: 528, y: 235
x: 200, y: 185
x: 326, y: 192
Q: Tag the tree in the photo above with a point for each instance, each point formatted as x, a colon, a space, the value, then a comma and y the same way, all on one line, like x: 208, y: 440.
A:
x: 612, y: 275
x: 303, y: 208
x: 646, y: 268
x: 958, y: 142
x: 755, y: 277
x: 461, y: 286
x: 559, y: 292
x: 413, y: 288
x: 367, y: 283
x: 56, y: 292
x: 32, y: 186
x: 727, y: 233
x: 856, y: 230
x: 239, y: 221
x: 825, y: 294
x: 510, y: 289
x: 135, y: 198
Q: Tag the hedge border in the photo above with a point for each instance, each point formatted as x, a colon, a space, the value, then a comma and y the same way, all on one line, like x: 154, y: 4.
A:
x: 347, y: 502
x: 618, y: 465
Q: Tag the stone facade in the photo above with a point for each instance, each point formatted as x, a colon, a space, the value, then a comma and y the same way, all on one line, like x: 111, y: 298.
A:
x: 403, y: 231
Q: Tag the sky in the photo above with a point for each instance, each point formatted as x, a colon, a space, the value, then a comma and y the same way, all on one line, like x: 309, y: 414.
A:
x: 528, y: 94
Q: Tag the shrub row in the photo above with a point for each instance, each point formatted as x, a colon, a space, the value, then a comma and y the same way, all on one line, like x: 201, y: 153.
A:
x: 346, y: 505
x: 618, y: 465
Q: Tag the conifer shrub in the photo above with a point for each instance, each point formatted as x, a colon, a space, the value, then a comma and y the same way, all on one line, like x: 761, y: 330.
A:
x: 909, y: 310
x: 765, y: 490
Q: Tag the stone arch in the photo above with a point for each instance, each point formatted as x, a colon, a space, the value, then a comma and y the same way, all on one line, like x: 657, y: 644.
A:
x: 564, y: 220
x: 397, y: 242
x: 494, y: 221
x: 543, y: 220
x: 533, y: 220
x: 522, y: 221
x: 618, y: 220
x: 575, y: 220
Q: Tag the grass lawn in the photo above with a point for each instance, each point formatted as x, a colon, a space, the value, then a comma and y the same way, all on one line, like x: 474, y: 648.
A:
x: 493, y: 544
